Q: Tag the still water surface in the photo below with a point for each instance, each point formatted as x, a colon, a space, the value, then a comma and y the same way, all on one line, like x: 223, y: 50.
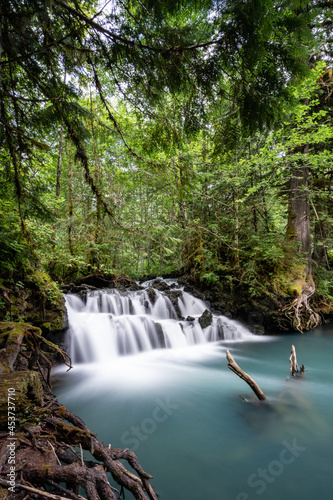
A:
x: 180, y: 411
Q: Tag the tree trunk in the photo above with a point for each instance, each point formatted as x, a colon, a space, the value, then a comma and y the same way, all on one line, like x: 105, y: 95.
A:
x: 57, y: 194
x: 70, y: 199
x: 299, y: 311
x: 97, y: 178
x: 61, y: 144
x: 298, y: 228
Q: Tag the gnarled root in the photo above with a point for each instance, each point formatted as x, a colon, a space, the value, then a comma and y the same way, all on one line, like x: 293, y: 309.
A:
x: 50, y: 456
x: 300, y: 313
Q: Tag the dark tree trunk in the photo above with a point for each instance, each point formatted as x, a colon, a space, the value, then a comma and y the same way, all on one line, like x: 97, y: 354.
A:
x: 299, y: 311
x: 70, y: 199
x: 61, y: 144
x: 298, y: 228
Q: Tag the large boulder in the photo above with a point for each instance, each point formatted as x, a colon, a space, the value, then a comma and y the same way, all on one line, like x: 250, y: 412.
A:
x: 160, y: 285
x: 205, y: 319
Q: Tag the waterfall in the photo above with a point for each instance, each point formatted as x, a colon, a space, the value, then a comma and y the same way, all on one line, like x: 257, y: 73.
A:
x: 109, y: 323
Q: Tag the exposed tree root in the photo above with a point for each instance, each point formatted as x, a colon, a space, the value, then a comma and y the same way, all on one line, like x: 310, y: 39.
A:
x: 300, y: 313
x: 50, y: 440
x: 46, y: 458
x: 30, y: 337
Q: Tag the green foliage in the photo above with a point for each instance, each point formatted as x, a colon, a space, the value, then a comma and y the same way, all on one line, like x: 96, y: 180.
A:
x: 164, y: 145
x: 209, y: 278
x: 48, y: 288
x: 324, y: 282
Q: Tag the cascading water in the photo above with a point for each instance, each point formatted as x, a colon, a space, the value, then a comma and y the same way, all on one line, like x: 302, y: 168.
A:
x: 110, y: 323
x: 179, y: 410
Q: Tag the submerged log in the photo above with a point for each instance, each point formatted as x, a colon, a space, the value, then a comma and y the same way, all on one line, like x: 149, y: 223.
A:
x: 233, y: 366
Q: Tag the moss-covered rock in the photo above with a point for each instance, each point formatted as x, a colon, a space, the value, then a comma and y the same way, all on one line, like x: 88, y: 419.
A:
x: 20, y: 393
x: 11, y: 336
x: 36, y: 300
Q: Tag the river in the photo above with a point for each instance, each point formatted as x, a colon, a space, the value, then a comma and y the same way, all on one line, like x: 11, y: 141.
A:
x: 179, y: 408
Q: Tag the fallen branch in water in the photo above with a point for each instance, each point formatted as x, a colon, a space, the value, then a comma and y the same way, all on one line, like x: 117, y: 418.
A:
x: 233, y: 366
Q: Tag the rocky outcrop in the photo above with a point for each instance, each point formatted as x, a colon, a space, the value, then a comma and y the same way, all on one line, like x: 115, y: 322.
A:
x: 40, y: 304
x: 22, y: 389
x: 160, y: 285
x: 261, y: 316
x: 97, y: 281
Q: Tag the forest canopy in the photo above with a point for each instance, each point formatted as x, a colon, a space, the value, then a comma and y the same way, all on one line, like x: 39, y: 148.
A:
x: 147, y: 137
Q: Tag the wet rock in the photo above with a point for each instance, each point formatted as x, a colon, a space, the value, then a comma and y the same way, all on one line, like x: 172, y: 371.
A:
x: 146, y: 305
x: 257, y: 329
x: 206, y: 319
x: 80, y: 290
x: 152, y: 295
x: 191, y: 289
x: 220, y: 331
x: 160, y: 285
x: 190, y: 318
x: 109, y: 281
x: 160, y: 335
x: 174, y: 296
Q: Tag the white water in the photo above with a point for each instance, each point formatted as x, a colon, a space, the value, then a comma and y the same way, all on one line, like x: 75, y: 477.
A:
x: 109, y: 324
x: 208, y: 443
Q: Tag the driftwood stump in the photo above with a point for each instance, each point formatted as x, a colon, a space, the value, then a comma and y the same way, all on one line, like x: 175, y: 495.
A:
x: 233, y: 366
x: 294, y: 370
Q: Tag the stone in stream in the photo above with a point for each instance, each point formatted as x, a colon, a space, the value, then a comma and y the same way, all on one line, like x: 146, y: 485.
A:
x: 152, y: 295
x: 160, y: 285
x: 206, y: 319
x: 174, y: 295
